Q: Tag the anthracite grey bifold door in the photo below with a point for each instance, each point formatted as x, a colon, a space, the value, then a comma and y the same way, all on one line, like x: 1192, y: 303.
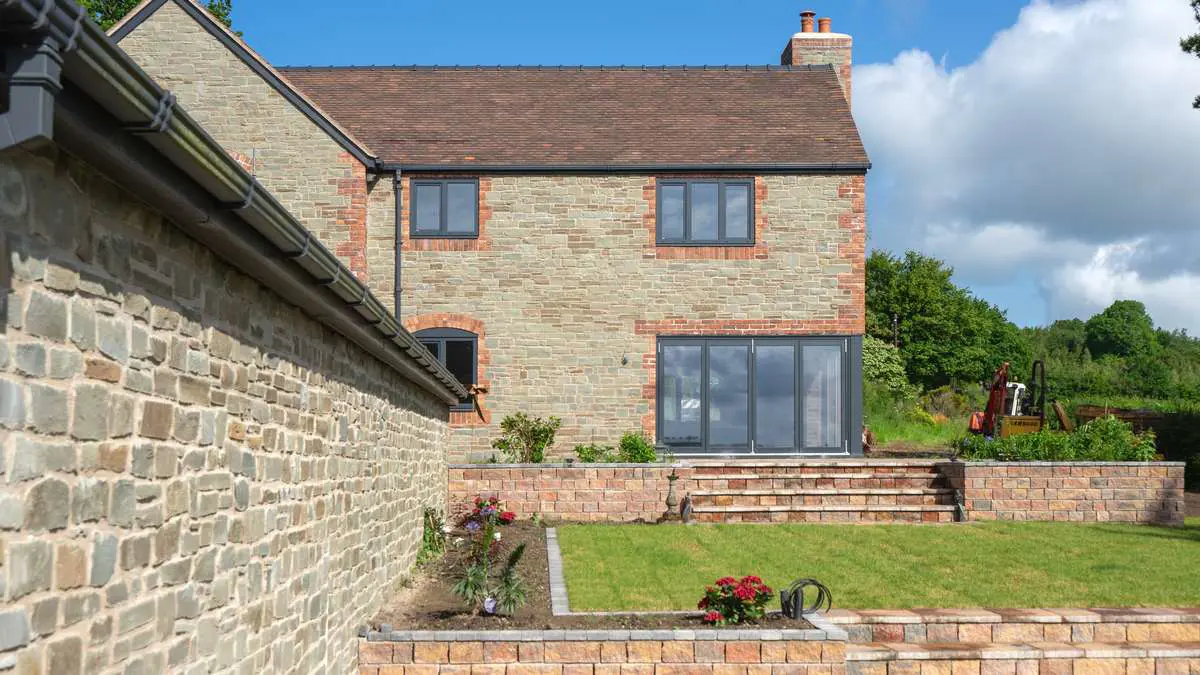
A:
x: 753, y: 395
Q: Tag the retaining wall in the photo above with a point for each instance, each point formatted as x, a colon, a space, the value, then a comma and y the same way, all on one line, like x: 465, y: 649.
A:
x: 1138, y: 492
x: 599, y: 652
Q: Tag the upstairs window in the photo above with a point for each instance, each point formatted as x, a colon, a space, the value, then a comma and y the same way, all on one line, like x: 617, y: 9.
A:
x: 445, y: 208
x: 705, y: 212
x: 457, y: 350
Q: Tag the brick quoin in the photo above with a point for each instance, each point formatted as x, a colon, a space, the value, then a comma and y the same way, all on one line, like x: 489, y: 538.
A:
x: 480, y: 243
x: 654, y: 251
x: 483, y: 357
x: 853, y: 284
x: 352, y: 218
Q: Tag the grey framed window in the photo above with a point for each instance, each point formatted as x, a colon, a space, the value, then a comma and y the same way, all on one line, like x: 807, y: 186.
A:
x: 761, y: 395
x: 458, y: 350
x: 444, y: 208
x: 705, y: 212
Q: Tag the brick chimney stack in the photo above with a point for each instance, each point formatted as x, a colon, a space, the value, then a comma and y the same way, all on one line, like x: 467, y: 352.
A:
x: 811, y: 47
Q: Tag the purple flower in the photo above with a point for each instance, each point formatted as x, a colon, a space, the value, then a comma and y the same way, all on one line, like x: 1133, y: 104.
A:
x: 489, y: 605
x: 473, y: 526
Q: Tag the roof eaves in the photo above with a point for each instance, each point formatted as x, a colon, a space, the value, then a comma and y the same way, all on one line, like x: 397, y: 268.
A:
x: 255, y: 62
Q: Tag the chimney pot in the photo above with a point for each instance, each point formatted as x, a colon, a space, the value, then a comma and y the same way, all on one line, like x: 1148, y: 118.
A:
x: 826, y: 25
x: 806, y: 21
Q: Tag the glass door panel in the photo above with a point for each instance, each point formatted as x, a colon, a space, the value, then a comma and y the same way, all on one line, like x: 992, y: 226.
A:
x: 681, y: 396
x: 729, y: 395
x: 774, y: 397
x: 822, y: 389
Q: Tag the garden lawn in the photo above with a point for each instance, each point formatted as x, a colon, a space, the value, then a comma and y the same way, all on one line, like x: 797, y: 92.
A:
x: 645, y: 567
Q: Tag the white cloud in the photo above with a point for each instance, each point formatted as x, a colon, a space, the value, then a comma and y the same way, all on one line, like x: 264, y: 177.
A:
x: 1071, y: 134
x: 1081, y: 289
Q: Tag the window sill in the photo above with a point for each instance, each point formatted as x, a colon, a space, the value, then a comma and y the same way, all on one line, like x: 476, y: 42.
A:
x: 705, y: 244
x: 414, y: 235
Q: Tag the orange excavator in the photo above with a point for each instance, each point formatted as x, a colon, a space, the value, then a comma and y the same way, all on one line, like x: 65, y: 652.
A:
x: 1012, y: 409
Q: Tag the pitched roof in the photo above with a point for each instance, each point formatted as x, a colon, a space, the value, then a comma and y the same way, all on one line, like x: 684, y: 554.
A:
x: 735, y: 116
x: 235, y: 44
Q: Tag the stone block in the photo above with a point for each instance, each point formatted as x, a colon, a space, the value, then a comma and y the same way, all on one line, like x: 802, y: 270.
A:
x: 65, y: 656
x: 70, y: 565
x: 29, y: 567
x: 742, y: 652
x: 157, y: 418
x: 44, y: 617
x: 48, y: 506
x: 104, y: 559
x: 14, y: 628
x: 30, y: 359
x: 90, y: 421
x: 46, y: 316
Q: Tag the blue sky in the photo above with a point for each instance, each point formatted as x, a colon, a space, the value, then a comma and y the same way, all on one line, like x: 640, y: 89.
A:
x: 994, y: 125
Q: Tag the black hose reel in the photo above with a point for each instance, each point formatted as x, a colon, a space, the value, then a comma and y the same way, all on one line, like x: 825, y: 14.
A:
x: 792, y: 598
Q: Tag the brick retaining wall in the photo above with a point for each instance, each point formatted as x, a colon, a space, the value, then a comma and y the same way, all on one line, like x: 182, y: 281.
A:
x: 699, y: 652
x: 1071, y: 491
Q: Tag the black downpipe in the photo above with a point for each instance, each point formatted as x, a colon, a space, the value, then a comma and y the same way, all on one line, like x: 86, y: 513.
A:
x: 399, y: 188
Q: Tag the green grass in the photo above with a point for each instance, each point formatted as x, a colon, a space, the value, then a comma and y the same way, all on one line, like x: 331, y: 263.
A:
x: 638, y: 567
x: 894, y: 430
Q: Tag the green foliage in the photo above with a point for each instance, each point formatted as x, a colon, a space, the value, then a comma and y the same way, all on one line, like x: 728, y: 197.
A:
x: 475, y: 584
x: 1106, y: 439
x: 944, y: 333
x: 883, y: 365
x: 1123, y: 329
x: 108, y: 12
x: 433, y: 536
x: 895, y: 419
x: 1191, y: 43
x: 592, y: 453
x: 635, y: 448
x: 526, y: 438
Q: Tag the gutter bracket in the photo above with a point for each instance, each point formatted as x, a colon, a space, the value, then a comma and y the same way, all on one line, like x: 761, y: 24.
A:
x: 251, y: 187
x: 303, y: 249
x: 160, y: 121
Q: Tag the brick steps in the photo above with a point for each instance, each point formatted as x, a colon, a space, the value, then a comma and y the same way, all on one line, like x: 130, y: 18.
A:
x: 824, y: 497
x: 825, y: 513
x: 823, y: 491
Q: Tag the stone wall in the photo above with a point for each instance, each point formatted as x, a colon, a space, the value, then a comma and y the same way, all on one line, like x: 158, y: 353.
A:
x: 313, y: 176
x: 196, y: 476
x: 571, y: 292
x: 1072, y: 491
x: 595, y: 652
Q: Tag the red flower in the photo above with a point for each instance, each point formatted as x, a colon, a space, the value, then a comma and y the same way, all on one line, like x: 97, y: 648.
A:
x: 712, y: 617
x: 751, y: 580
x: 726, y: 581
x: 703, y: 604
x: 744, y: 592
x: 507, y: 517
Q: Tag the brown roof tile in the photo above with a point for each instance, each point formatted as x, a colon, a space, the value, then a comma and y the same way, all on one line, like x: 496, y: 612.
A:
x: 530, y: 116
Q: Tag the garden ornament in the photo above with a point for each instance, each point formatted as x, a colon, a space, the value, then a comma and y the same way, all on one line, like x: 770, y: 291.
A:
x: 791, y: 599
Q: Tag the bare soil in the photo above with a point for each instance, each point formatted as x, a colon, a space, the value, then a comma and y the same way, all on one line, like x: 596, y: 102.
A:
x: 427, y: 603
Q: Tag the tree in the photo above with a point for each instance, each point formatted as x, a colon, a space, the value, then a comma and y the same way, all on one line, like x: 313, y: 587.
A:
x: 108, y: 12
x: 943, y: 332
x: 1123, y: 329
x: 1191, y: 43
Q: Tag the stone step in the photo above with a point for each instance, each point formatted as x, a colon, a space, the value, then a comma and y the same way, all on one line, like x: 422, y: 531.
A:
x: 820, y: 481
x: 827, y: 491
x: 813, y: 513
x: 834, y: 497
x: 813, y: 475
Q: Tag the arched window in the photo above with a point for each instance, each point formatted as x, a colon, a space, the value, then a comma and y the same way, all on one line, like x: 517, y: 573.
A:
x: 458, y: 350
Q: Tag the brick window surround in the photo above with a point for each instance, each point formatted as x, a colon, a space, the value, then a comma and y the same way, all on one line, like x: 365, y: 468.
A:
x: 407, y: 243
x: 483, y: 358
x: 654, y: 250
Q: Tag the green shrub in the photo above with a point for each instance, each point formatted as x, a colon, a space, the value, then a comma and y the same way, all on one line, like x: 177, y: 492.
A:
x: 526, y: 438
x: 1106, y: 439
x: 883, y: 365
x: 592, y: 453
x: 433, y: 536
x: 636, y: 449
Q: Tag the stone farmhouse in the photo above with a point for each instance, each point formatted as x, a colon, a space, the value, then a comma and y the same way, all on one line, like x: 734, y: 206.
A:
x: 673, y: 250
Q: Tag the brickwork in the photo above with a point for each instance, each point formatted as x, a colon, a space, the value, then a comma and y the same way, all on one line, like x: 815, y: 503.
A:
x: 196, y: 475
x: 539, y: 656
x: 310, y: 173
x: 482, y: 242
x: 822, y: 48
x: 381, y: 239
x: 1072, y: 491
x: 572, y: 301
x: 483, y: 358
x: 1007, y: 626
x: 1043, y: 658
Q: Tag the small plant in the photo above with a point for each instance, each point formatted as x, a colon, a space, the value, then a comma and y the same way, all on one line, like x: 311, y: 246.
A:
x: 475, y: 583
x: 1104, y: 439
x: 433, y: 536
x: 730, y: 601
x: 636, y: 449
x: 592, y: 453
x: 526, y: 438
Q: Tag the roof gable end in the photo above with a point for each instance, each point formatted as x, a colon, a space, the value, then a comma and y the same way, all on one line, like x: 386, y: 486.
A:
x: 256, y: 63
